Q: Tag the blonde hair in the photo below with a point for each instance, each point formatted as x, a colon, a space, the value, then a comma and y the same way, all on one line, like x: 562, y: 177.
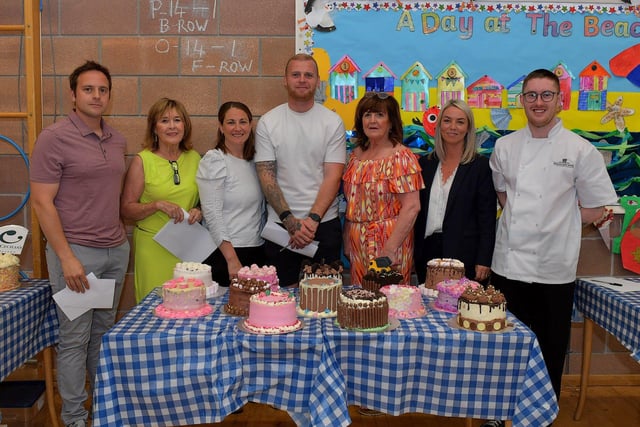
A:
x: 469, y: 151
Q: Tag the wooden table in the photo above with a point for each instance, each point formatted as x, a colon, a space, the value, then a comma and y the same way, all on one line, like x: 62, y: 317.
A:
x: 615, y: 311
x: 29, y: 325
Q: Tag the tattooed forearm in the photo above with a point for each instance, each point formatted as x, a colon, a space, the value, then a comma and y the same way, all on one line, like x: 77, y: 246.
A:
x: 267, y: 172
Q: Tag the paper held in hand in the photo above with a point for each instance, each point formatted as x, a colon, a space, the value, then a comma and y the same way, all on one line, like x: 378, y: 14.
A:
x: 278, y: 235
x: 188, y: 242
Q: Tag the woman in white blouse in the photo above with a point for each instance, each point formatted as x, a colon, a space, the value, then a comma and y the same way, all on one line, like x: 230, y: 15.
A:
x: 457, y: 217
x: 232, y: 201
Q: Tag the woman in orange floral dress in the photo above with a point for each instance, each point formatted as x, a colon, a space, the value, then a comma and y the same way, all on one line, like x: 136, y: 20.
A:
x: 381, y: 184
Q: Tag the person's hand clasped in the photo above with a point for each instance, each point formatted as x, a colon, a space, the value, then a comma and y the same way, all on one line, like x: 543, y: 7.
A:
x: 302, y: 232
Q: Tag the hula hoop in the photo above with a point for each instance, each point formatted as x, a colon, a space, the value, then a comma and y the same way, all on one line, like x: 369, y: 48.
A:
x: 26, y: 162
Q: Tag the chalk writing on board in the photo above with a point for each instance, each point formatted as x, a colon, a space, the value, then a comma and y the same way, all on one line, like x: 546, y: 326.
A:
x: 182, y: 17
x: 213, y: 55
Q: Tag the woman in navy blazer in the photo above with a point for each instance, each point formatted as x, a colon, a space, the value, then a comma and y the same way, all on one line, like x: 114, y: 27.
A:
x: 457, y: 217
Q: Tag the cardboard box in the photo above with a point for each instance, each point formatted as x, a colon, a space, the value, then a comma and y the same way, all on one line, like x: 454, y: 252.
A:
x: 21, y: 401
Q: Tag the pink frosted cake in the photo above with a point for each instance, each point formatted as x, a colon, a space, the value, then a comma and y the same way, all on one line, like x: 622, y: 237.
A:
x: 199, y: 271
x: 272, y: 312
x: 265, y: 273
x: 182, y: 298
x: 405, y: 301
x: 449, y: 291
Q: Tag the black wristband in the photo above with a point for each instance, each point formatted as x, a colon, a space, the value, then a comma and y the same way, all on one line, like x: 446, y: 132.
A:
x: 314, y: 216
x: 284, y: 215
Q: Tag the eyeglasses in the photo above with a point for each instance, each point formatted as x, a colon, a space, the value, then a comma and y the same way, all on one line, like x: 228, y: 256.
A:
x: 546, y: 96
x: 379, y: 95
x: 176, y: 175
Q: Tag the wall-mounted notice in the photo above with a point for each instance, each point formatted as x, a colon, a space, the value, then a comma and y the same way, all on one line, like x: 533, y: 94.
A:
x: 425, y: 53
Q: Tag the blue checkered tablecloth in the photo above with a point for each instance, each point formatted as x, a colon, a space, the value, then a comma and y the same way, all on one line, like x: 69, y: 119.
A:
x: 174, y: 372
x: 617, y: 312
x: 427, y: 365
x: 28, y: 323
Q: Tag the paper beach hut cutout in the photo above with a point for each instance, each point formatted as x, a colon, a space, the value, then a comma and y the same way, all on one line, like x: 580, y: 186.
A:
x: 415, y: 88
x: 343, y: 79
x: 513, y: 93
x: 451, y: 83
x: 380, y: 79
x: 485, y: 93
x: 565, y: 76
x: 592, y: 95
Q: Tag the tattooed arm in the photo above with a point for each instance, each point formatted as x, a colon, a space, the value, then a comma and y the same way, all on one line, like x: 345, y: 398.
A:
x: 267, y: 174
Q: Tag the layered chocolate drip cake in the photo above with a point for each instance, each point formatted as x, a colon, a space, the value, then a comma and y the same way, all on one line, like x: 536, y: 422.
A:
x: 482, y: 309
x: 319, y: 289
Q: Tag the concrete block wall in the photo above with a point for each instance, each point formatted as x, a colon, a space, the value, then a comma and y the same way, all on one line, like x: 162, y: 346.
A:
x: 203, y: 53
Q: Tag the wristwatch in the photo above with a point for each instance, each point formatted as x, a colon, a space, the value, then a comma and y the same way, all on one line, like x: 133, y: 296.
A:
x: 314, y: 216
x: 284, y: 215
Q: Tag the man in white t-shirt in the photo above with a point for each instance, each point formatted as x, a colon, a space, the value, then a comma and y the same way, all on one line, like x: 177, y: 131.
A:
x: 300, y: 156
x: 549, y: 181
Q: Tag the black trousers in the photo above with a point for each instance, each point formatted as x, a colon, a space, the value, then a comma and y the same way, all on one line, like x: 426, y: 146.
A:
x: 546, y: 309
x: 247, y: 256
x: 289, y: 263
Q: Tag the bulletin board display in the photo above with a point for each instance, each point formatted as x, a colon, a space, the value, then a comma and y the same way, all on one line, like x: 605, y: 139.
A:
x: 425, y: 53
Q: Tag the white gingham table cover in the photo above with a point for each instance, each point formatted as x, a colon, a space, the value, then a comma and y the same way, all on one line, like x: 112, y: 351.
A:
x: 28, y: 323
x: 617, y: 312
x: 175, y: 372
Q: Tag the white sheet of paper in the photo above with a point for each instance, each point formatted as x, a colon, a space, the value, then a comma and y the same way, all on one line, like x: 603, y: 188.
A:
x: 278, y: 235
x: 99, y: 295
x: 190, y: 243
x: 605, y: 233
x: 629, y: 284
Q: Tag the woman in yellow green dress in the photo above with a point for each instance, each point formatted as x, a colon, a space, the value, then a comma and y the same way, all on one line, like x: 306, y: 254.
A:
x: 160, y: 183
